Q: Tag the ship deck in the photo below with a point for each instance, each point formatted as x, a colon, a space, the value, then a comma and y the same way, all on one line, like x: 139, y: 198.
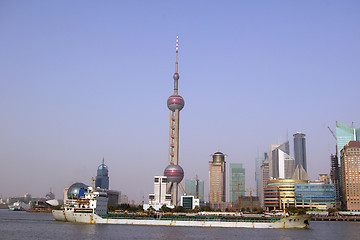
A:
x: 191, y: 218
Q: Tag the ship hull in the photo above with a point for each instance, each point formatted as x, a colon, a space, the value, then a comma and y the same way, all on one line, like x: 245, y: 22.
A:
x: 300, y: 221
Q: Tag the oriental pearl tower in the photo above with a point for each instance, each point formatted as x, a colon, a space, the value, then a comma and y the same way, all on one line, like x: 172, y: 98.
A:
x: 173, y: 171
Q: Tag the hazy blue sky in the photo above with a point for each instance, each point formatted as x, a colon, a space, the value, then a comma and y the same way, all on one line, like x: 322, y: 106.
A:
x: 83, y: 80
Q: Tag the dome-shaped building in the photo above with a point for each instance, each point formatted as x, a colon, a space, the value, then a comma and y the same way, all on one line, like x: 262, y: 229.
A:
x: 75, y: 189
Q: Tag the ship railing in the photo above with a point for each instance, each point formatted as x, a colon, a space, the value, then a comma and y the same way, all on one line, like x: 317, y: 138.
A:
x: 192, y: 218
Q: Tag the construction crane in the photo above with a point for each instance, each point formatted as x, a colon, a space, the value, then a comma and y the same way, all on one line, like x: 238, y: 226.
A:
x: 332, y: 133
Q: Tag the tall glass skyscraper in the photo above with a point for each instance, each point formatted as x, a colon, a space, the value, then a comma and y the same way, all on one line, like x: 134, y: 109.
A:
x: 345, y: 134
x: 195, y: 187
x: 102, y: 177
x: 236, y: 182
x: 300, y: 150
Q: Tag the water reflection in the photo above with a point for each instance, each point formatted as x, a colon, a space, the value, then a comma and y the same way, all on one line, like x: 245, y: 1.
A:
x: 20, y: 225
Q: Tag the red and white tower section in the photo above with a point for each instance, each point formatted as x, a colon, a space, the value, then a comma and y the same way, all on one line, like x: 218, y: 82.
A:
x: 173, y: 171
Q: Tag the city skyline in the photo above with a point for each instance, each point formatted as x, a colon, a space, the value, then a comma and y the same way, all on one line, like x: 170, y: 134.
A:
x: 80, y: 82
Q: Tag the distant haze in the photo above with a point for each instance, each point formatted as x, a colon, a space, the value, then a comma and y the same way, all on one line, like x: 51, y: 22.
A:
x: 83, y: 80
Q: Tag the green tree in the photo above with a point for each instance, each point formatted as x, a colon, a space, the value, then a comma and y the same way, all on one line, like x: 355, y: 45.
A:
x: 180, y: 209
x: 164, y: 208
x: 206, y: 209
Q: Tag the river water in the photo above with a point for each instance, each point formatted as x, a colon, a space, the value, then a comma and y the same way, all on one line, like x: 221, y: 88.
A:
x: 23, y: 225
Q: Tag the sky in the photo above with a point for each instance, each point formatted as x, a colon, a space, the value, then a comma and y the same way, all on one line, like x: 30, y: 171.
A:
x: 85, y: 80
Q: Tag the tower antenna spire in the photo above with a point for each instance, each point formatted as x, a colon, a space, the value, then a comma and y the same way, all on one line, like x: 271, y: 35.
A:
x: 177, y: 51
x: 176, y: 74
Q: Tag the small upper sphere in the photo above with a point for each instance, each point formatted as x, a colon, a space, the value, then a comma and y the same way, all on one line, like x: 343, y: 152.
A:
x: 174, y: 173
x: 175, y: 102
x: 176, y: 76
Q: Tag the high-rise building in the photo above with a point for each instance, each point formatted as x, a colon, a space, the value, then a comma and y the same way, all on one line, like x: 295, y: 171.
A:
x: 335, y: 179
x: 272, y: 147
x: 102, y: 177
x: 173, y: 171
x: 265, y: 177
x: 345, y: 134
x: 283, y: 165
x: 236, y: 182
x: 259, y: 160
x: 195, y: 187
x: 300, y: 157
x: 350, y: 166
x: 217, y: 181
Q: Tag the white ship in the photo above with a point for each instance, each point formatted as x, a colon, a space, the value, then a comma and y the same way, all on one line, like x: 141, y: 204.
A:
x: 19, y: 206
x: 92, y: 208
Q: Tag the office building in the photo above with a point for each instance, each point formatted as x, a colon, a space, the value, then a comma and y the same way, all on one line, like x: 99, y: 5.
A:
x: 195, y: 187
x: 217, y: 181
x: 286, y: 191
x: 102, y: 176
x: 345, y: 134
x: 272, y: 147
x: 236, y: 182
x: 350, y: 176
x: 335, y: 179
x: 259, y: 160
x: 265, y: 177
x: 124, y: 199
x: 272, y: 198
x: 300, y: 150
x: 189, y: 202
x: 160, y: 196
x: 315, y: 195
x: 283, y: 165
x: 300, y: 157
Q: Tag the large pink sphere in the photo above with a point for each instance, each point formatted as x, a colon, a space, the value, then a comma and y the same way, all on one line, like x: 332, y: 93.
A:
x: 175, y: 102
x: 174, y: 173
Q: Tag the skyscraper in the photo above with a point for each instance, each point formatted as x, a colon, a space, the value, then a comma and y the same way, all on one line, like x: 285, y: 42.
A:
x: 350, y: 166
x: 173, y: 171
x: 283, y: 165
x: 259, y: 160
x: 195, y: 187
x: 217, y: 183
x: 300, y: 150
x: 300, y: 157
x: 236, y: 182
x: 102, y: 177
x: 345, y: 134
x: 265, y: 177
x: 272, y: 147
x: 335, y: 179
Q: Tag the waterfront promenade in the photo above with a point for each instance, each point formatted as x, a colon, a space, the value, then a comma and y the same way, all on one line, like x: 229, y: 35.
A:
x: 336, y: 218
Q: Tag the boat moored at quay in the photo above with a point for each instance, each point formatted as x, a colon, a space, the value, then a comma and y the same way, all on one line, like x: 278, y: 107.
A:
x: 91, y: 208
